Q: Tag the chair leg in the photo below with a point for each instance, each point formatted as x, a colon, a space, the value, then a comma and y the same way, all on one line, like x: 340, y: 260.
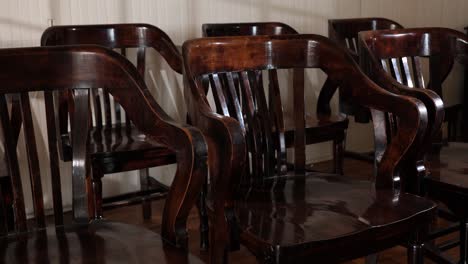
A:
x: 204, y: 226
x: 463, y: 241
x: 97, y: 191
x: 144, y: 186
x: 338, y: 153
x: 416, y: 249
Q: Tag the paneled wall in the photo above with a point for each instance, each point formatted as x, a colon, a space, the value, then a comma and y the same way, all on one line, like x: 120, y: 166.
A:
x: 23, y: 21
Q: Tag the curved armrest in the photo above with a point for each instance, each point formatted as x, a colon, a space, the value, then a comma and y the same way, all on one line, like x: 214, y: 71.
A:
x: 408, y: 140
x: 226, y: 144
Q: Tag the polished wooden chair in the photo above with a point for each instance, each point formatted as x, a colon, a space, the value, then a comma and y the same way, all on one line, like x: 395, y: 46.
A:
x: 322, y: 127
x: 119, y: 146
x: 345, y: 33
x: 393, y: 59
x: 48, y: 70
x: 290, y: 215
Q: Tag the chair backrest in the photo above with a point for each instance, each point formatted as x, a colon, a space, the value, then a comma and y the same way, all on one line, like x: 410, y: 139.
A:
x: 345, y: 31
x: 392, y: 58
x: 260, y: 116
x: 113, y: 36
x: 79, y: 69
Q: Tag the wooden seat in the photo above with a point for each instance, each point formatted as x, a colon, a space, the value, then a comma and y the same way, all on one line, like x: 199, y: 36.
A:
x: 115, y: 151
x: 284, y: 214
x: 393, y: 59
x: 100, y: 242
x: 78, y: 69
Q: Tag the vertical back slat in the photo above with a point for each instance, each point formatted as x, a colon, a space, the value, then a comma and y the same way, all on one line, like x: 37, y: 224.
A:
x: 53, y: 157
x: 263, y: 117
x: 12, y: 160
x: 234, y: 99
x: 33, y: 160
x: 80, y: 165
x: 435, y: 73
x: 299, y: 121
x: 394, y: 71
x: 417, y: 73
x: 405, y: 67
x: 276, y: 112
x: 218, y: 95
x: 252, y: 128
x: 403, y: 73
x: 97, y: 108
x: 107, y: 108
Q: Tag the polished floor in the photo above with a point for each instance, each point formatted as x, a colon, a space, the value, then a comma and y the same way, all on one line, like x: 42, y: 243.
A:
x: 353, y: 168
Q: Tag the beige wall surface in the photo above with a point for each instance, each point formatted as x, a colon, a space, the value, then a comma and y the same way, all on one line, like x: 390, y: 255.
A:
x: 23, y: 21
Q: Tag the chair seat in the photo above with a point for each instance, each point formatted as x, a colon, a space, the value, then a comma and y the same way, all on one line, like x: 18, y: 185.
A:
x: 318, y: 128
x: 448, y: 180
x: 120, y: 148
x: 99, y: 242
x: 327, y: 210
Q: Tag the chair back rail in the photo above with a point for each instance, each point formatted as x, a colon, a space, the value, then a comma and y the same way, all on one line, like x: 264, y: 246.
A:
x: 78, y: 70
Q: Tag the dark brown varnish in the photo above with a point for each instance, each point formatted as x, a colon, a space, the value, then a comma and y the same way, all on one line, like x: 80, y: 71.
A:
x: 79, y: 69
x: 288, y: 215
x: 120, y: 146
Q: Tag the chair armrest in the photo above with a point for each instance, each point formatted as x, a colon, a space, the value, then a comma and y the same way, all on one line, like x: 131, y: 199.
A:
x: 409, y: 138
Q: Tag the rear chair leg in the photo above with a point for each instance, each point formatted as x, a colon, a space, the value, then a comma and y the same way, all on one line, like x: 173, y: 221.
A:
x: 97, y: 191
x: 338, y: 153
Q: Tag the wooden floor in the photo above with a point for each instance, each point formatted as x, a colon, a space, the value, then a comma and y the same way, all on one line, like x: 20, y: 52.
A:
x: 353, y: 168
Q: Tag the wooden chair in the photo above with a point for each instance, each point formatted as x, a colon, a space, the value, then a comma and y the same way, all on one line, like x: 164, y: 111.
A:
x: 78, y: 69
x: 392, y: 59
x: 290, y: 215
x: 323, y: 127
x: 345, y: 33
x: 120, y: 146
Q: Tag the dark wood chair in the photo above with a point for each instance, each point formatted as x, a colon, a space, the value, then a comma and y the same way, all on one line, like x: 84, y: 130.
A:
x: 119, y: 146
x: 290, y: 215
x: 345, y: 33
x: 323, y: 127
x: 79, y: 69
x: 393, y: 59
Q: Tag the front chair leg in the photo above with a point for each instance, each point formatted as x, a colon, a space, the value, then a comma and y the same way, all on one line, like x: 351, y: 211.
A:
x: 144, y: 186
x: 204, y: 226
x: 416, y: 248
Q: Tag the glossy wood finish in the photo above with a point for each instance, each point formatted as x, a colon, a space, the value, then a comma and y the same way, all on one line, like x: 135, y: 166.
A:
x: 78, y: 69
x: 285, y: 214
x: 447, y: 179
x: 120, y: 146
x: 322, y: 127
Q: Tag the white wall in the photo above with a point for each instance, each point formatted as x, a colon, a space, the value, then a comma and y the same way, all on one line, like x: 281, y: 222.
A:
x: 23, y: 21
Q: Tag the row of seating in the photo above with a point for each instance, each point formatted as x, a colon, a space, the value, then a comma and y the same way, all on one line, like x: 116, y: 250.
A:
x: 258, y: 193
